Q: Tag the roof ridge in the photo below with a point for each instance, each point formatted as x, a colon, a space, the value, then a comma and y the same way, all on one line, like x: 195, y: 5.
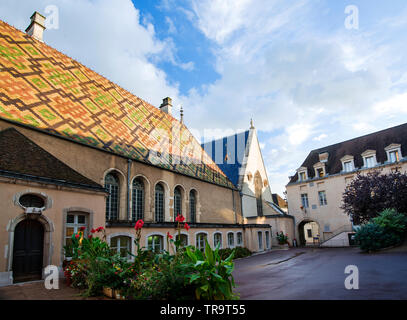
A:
x: 363, y: 136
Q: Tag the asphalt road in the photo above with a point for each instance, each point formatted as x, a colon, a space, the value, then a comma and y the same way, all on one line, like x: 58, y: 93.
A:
x: 319, y: 274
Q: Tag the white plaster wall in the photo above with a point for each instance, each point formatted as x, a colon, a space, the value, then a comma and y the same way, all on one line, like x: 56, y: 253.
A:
x: 341, y: 240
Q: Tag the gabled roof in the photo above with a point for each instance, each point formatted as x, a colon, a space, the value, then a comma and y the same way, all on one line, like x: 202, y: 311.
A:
x: 43, y: 88
x: 228, y: 153
x: 377, y: 141
x: 20, y: 157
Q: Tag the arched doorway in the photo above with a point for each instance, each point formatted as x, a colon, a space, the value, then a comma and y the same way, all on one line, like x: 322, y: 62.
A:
x: 308, y: 231
x: 28, y: 251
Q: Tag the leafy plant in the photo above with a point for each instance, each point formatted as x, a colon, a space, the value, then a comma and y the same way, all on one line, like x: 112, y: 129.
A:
x: 212, y: 278
x: 391, y: 221
x: 282, y: 238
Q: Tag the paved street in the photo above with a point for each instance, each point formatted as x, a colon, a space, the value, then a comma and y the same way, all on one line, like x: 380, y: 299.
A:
x: 319, y: 274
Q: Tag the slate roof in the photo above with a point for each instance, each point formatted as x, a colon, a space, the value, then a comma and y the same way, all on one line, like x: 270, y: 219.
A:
x: 20, y: 157
x: 228, y: 153
x: 375, y: 141
x: 43, y: 88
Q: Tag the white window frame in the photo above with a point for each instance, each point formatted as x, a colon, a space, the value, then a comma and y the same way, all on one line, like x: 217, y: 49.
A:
x: 227, y: 237
x: 260, y: 243
x: 198, y: 243
x: 123, y: 234
x: 300, y: 171
x: 302, y: 202
x: 393, y: 148
x: 153, y: 235
x: 267, y: 236
x: 324, y: 201
x: 221, y: 240
x: 317, y: 167
x: 367, y: 155
x: 239, y: 244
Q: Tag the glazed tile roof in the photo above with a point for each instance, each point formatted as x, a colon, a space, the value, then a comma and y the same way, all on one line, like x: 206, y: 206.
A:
x: 228, y: 153
x: 43, y: 88
x: 20, y: 155
x: 377, y: 141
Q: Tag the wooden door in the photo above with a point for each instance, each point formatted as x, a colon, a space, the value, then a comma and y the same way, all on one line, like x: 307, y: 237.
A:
x: 28, y: 251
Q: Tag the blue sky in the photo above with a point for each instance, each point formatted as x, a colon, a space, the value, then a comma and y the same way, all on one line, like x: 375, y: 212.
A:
x: 305, y: 79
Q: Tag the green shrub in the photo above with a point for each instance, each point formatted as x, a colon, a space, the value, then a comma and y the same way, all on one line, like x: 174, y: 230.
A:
x: 240, y: 252
x: 372, y: 237
x: 211, y: 275
x: 391, y: 221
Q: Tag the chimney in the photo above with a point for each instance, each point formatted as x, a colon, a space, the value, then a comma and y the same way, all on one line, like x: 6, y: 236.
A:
x: 166, y: 106
x: 37, y: 26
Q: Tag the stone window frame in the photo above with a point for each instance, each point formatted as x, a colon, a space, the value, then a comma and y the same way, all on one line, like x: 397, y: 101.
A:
x: 239, y: 244
x: 303, y: 170
x: 151, y: 234
x: 123, y: 234
x: 221, y: 239
x: 196, y: 239
x: 347, y: 159
x: 260, y: 247
x: 368, y: 154
x: 317, y: 167
x: 394, y: 147
x: 227, y: 239
x: 65, y: 213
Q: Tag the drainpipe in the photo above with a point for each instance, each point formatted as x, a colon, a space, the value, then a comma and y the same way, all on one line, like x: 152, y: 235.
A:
x: 128, y: 188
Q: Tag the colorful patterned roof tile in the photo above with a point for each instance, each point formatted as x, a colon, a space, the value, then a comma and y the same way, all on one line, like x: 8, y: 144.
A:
x: 43, y: 88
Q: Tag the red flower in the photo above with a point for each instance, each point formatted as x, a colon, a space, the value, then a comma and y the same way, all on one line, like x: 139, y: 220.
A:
x: 100, y: 229
x: 186, y: 226
x: 93, y: 230
x: 139, y: 224
x: 77, y: 235
x: 90, y: 236
x: 82, y: 228
x: 180, y: 218
x: 169, y: 236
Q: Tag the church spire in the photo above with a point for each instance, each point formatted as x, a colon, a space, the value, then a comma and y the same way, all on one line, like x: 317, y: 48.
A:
x: 251, y: 124
x: 182, y: 115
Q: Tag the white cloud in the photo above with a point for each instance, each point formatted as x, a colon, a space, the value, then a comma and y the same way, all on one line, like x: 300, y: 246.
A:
x: 320, y: 137
x: 171, y: 25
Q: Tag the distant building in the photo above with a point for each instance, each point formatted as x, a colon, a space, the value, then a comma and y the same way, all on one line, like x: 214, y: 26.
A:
x: 315, y: 192
x: 239, y: 157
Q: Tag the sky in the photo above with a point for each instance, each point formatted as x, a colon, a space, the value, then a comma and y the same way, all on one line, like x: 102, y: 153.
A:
x: 309, y: 73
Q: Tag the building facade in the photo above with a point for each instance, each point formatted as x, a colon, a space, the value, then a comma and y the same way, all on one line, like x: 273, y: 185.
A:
x: 77, y: 150
x: 239, y: 156
x: 315, y: 192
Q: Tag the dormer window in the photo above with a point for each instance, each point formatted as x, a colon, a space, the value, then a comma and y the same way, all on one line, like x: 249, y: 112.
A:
x: 302, y: 174
x: 393, y: 152
x: 348, y: 164
x: 319, y: 170
x: 369, y: 158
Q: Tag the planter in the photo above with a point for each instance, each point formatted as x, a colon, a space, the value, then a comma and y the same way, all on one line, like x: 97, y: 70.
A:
x: 109, y: 292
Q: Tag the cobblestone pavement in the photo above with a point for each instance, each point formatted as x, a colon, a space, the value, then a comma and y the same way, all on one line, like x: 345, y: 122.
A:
x: 314, y: 274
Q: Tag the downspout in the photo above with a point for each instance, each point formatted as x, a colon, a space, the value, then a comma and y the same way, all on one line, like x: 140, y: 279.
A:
x: 128, y: 188
x: 234, y: 205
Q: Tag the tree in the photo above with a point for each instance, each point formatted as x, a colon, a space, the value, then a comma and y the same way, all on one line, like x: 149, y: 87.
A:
x: 367, y: 195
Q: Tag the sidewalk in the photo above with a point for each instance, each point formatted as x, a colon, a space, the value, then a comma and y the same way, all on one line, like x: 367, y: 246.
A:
x: 37, y: 291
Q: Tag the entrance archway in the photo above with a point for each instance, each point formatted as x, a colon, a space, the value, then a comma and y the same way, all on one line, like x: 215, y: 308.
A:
x: 28, y: 251
x: 308, y: 231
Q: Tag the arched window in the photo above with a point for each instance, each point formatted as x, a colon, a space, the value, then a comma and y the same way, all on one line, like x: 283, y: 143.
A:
x: 155, y: 243
x: 239, y: 240
x: 121, y: 245
x: 192, y: 206
x: 231, y: 239
x: 267, y: 235
x: 260, y: 240
x: 258, y: 186
x: 200, y: 241
x: 217, y: 240
x: 184, y: 239
x: 138, y: 199
x: 177, y: 202
x: 159, y: 203
x: 112, y: 202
